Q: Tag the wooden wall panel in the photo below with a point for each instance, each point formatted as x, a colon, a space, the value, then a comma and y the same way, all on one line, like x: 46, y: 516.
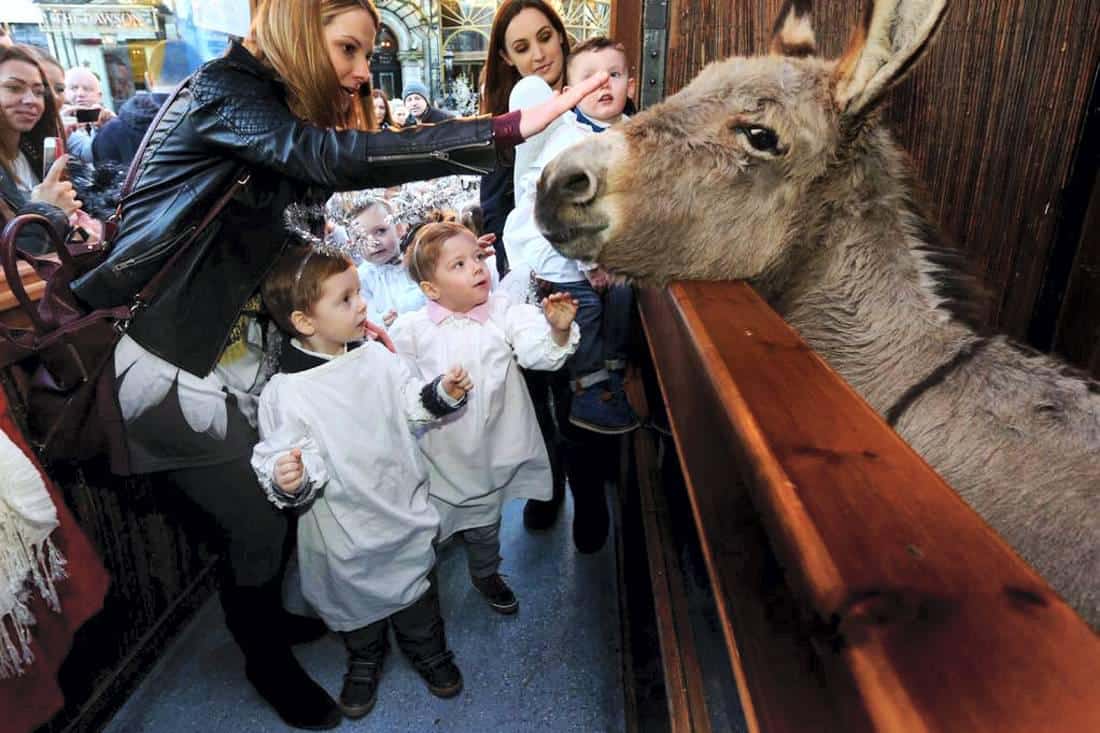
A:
x: 160, y: 572
x: 992, y: 117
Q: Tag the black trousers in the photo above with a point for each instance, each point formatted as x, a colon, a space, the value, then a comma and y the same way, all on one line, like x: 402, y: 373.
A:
x: 418, y: 630
x: 251, y: 531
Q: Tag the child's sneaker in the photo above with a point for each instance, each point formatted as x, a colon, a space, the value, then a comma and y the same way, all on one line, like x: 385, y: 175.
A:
x: 602, y: 409
x: 496, y: 591
x: 360, y: 689
x: 441, y: 674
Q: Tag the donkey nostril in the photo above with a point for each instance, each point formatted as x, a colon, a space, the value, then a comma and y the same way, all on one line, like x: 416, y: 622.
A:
x: 579, y: 186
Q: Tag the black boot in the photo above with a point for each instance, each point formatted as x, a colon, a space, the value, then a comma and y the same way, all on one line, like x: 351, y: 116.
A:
x: 539, y: 515
x: 590, y: 515
x: 253, y: 615
x: 301, y: 629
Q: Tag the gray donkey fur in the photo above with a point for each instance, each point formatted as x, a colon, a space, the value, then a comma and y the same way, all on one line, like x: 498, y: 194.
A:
x: 775, y: 170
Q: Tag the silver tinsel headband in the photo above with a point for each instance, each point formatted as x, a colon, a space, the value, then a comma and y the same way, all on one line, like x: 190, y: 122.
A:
x: 302, y: 221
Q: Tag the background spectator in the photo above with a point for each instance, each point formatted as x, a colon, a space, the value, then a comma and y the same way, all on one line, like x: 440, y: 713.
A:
x: 170, y: 62
x: 418, y: 104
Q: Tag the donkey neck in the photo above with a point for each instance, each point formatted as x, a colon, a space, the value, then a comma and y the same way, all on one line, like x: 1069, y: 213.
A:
x: 868, y: 285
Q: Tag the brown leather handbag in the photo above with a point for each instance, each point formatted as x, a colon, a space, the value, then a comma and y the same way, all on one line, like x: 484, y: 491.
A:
x: 62, y: 363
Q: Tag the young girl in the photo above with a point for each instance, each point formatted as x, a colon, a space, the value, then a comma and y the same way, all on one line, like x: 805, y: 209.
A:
x: 491, y: 450
x: 340, y: 420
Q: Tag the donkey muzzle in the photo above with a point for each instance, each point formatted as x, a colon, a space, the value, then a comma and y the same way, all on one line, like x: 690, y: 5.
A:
x: 566, y: 204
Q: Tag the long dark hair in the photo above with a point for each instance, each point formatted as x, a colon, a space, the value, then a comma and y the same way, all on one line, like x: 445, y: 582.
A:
x: 498, y: 77
x: 387, y: 119
x: 48, y: 125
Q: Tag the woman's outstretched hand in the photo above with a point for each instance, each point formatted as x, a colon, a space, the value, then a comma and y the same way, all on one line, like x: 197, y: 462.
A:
x: 536, y: 119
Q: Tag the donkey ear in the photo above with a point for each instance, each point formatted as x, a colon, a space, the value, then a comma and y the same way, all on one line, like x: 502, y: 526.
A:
x: 793, y: 35
x: 892, y: 36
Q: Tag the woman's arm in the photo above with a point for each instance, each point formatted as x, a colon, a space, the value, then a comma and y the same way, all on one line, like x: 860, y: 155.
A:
x: 235, y: 112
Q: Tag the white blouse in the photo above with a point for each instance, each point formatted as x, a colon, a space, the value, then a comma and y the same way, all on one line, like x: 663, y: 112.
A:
x: 490, y: 450
x: 365, y: 542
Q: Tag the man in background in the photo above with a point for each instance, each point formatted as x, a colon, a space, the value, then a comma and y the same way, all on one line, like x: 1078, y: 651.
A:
x: 169, y: 63
x: 83, y: 94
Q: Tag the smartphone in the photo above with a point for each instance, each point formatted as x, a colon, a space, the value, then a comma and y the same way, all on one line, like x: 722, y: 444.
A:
x: 49, y: 154
x: 87, y: 115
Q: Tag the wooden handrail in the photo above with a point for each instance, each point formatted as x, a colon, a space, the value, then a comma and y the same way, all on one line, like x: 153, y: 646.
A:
x: 31, y: 282
x: 920, y: 617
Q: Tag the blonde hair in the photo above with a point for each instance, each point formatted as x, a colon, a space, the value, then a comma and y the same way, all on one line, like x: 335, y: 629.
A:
x: 288, y: 36
x: 423, y: 254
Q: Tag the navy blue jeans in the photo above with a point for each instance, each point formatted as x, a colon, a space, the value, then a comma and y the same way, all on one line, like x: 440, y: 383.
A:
x: 604, y: 321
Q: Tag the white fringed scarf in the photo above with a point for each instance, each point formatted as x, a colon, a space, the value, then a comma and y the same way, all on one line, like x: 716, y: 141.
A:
x: 29, y: 561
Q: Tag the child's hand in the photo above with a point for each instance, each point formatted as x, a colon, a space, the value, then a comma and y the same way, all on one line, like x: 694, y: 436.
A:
x: 389, y: 317
x: 289, y: 472
x: 485, y: 244
x: 560, y: 309
x: 598, y: 278
x: 456, y: 382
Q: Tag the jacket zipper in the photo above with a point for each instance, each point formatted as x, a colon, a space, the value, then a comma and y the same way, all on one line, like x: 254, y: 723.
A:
x: 444, y: 155
x: 152, y: 254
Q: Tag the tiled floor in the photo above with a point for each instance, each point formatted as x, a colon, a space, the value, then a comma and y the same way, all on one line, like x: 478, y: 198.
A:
x: 555, y: 666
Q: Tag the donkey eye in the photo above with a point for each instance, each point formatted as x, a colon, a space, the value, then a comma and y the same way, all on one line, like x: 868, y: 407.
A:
x: 761, y: 138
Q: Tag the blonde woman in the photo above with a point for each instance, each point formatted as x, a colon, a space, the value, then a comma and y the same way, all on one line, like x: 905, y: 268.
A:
x: 290, y: 109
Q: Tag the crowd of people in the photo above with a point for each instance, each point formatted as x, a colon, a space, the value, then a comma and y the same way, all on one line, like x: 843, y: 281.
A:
x: 351, y: 380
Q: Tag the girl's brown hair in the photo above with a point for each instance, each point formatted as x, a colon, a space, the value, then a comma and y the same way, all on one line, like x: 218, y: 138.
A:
x: 296, y: 281
x: 49, y: 125
x: 288, y: 36
x: 388, y: 117
x: 498, y: 77
x: 422, y: 256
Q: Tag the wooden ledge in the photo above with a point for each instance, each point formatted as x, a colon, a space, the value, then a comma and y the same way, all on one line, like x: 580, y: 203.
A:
x: 921, y: 617
x: 9, y: 306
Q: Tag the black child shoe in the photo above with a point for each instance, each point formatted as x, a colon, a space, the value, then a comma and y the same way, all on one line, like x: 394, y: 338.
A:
x: 500, y: 597
x: 360, y: 689
x: 441, y: 674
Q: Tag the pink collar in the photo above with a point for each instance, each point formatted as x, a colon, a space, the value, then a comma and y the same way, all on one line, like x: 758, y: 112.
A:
x: 438, y: 313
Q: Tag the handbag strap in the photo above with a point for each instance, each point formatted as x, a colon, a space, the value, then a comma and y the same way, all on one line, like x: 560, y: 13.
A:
x: 145, y: 297
x: 135, y: 162
x: 240, y: 178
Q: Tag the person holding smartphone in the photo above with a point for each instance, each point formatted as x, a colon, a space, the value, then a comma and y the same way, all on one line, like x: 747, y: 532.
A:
x: 83, y: 113
x: 30, y: 181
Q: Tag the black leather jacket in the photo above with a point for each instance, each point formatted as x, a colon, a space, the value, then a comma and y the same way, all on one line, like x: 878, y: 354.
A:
x: 233, y: 116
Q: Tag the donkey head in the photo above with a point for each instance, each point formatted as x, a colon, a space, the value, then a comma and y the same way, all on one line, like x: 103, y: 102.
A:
x: 713, y: 182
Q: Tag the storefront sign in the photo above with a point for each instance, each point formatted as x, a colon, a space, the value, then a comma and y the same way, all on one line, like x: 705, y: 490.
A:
x: 92, y: 21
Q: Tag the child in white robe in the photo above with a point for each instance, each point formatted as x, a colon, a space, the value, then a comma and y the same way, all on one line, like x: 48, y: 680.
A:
x: 336, y: 439
x: 491, y: 450
x: 386, y: 285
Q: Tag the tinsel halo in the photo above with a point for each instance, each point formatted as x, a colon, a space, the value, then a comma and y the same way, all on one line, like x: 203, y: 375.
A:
x: 412, y: 202
x: 304, y: 220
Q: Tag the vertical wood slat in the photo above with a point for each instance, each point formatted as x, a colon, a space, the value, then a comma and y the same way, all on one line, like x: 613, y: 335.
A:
x: 683, y: 675
x: 992, y: 116
x: 626, y: 28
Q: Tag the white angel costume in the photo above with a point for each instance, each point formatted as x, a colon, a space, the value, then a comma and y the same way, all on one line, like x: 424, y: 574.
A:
x: 365, y: 542
x: 491, y: 450
x: 388, y: 287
